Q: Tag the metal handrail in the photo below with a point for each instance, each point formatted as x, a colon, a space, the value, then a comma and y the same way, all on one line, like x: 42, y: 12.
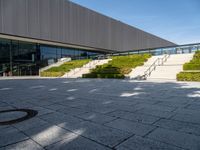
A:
x: 157, y: 62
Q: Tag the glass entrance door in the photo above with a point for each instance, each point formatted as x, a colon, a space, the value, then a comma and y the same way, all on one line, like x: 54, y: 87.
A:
x: 18, y: 59
x: 24, y: 59
x: 5, y: 67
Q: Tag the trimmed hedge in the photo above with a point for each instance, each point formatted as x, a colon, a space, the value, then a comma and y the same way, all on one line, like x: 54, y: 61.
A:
x: 191, y: 66
x: 192, y: 69
x: 51, y: 74
x: 118, y: 66
x: 188, y: 76
x: 194, y: 64
x: 94, y: 75
x: 62, y: 69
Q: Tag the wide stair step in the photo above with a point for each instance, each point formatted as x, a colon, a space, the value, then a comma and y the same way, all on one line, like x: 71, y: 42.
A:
x: 139, y: 71
x: 172, y: 67
x: 167, y: 71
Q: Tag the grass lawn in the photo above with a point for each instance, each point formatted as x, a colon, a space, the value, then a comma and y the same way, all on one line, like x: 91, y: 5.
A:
x: 62, y: 69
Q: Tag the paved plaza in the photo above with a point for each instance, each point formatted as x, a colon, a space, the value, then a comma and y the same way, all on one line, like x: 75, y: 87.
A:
x: 87, y: 114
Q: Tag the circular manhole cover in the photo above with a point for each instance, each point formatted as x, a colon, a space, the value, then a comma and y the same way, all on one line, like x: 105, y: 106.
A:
x: 12, y: 116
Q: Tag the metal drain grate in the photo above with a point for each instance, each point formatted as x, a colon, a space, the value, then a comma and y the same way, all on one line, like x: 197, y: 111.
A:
x: 29, y: 114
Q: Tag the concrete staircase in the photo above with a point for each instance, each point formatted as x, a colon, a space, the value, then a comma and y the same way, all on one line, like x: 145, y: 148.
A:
x: 139, y: 71
x: 78, y: 72
x: 167, y: 71
x: 171, y: 67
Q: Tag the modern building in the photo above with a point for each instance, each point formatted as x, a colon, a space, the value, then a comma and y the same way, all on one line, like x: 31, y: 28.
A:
x: 35, y: 33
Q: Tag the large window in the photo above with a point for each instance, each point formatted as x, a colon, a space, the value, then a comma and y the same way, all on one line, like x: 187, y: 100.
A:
x: 17, y: 58
x: 4, y: 57
x: 23, y: 58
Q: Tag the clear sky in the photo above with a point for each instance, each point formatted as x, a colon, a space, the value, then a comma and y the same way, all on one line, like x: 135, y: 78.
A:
x: 174, y: 20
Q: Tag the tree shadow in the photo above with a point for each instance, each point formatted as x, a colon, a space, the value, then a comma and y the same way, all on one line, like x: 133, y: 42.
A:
x: 82, y: 109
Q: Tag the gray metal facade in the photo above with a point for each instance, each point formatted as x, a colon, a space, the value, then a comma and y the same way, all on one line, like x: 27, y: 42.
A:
x: 65, y: 22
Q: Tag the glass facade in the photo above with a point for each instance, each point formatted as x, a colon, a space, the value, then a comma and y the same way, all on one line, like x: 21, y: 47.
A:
x: 160, y: 51
x: 23, y: 58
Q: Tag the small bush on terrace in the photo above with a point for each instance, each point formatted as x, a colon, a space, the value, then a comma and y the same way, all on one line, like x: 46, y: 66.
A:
x: 191, y: 70
x: 194, y: 64
x: 188, y: 76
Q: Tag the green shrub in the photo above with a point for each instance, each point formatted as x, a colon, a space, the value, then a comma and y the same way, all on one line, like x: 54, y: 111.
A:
x: 106, y: 69
x: 197, y: 55
x: 191, y: 66
x: 194, y: 64
x: 62, y: 69
x: 114, y: 76
x: 188, y: 76
x: 89, y: 75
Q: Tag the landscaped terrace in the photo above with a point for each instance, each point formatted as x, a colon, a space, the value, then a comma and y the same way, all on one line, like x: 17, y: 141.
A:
x: 118, y: 67
x: 62, y: 69
x: 191, y: 70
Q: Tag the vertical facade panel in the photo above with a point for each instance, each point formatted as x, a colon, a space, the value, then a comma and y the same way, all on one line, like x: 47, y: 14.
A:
x: 44, y: 14
x: 33, y: 19
x: 61, y: 21
x: 54, y: 23
x: 9, y: 15
x: 72, y: 23
x: 1, y: 17
x: 66, y: 22
x: 21, y: 23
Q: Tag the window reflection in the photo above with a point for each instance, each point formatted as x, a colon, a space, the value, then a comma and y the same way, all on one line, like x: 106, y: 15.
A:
x: 23, y: 58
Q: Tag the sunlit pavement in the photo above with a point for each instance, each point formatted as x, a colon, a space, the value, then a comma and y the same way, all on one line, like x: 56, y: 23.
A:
x: 101, y: 114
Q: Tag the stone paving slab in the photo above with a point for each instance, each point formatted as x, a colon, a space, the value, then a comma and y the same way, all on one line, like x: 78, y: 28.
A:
x: 72, y: 111
x: 42, y: 110
x: 99, y: 133
x: 194, y: 107
x: 6, y: 107
x: 29, y: 124
x: 11, y: 135
x: 48, y: 134
x: 96, y: 117
x: 157, y: 107
x: 179, y: 126
x: 60, y: 119
x: 137, y: 117
x: 139, y: 143
x: 102, y: 114
x: 21, y: 104
x: 55, y: 107
x: 99, y: 109
x: 2, y: 104
x: 11, y: 115
x: 173, y: 104
x: 192, y: 118
x: 175, y: 138
x: 79, y: 143
x: 24, y: 145
x: 187, y: 111
x: 157, y: 113
x: 132, y: 127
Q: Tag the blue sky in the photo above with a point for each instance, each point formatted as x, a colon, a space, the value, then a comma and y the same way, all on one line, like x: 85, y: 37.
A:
x: 174, y: 20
